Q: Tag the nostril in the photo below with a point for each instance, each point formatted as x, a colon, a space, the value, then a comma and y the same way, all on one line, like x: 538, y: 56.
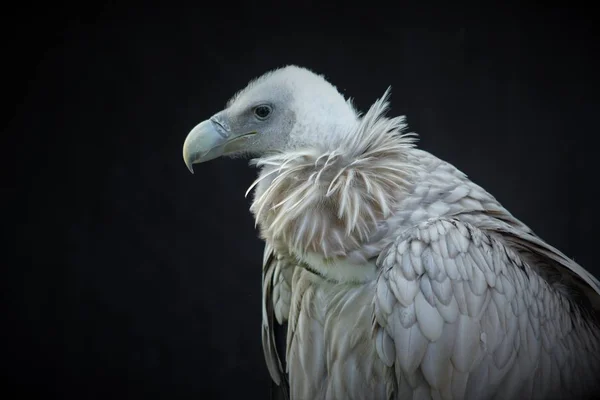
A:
x: 220, y: 128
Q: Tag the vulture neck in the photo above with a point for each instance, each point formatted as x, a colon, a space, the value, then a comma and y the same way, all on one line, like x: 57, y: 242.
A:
x: 326, y: 206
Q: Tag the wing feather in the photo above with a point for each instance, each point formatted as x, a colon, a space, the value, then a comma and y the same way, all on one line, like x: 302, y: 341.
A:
x: 275, y: 307
x: 462, y: 309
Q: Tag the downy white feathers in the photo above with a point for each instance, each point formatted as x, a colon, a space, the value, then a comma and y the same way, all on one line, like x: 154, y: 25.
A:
x: 329, y: 202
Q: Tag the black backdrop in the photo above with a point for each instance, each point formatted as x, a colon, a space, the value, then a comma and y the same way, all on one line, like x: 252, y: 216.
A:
x: 134, y: 278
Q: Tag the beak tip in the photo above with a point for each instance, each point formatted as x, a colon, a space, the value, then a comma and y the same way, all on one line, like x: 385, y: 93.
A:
x: 190, y: 166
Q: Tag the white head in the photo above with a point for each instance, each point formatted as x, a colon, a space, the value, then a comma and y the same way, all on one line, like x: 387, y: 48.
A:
x: 284, y: 109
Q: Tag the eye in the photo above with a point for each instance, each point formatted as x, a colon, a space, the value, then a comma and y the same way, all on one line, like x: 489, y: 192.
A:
x: 262, y: 112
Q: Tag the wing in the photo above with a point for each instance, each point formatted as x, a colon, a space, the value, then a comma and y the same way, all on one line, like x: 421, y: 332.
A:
x: 277, y: 272
x: 535, y: 251
x: 460, y: 315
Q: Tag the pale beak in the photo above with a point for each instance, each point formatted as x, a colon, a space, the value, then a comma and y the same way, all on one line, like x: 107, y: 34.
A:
x: 209, y: 140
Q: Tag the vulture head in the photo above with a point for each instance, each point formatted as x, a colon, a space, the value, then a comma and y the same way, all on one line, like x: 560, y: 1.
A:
x: 329, y: 177
x: 282, y: 110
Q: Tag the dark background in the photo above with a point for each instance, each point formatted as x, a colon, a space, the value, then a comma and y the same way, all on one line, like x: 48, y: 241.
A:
x: 134, y: 278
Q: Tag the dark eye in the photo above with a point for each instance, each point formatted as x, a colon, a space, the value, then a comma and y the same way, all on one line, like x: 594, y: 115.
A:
x: 262, y: 112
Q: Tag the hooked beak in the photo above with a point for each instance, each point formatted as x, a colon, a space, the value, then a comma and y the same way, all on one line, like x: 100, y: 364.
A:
x: 209, y: 140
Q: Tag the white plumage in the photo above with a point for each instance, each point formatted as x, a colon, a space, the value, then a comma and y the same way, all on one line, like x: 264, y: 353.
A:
x: 397, y: 277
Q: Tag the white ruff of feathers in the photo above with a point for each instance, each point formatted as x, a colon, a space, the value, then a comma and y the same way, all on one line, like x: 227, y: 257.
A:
x: 329, y: 202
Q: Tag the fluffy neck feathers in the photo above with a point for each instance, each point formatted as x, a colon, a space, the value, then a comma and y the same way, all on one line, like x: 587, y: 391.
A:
x: 314, y: 201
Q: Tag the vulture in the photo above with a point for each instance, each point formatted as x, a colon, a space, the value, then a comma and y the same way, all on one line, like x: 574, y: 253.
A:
x: 389, y: 273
